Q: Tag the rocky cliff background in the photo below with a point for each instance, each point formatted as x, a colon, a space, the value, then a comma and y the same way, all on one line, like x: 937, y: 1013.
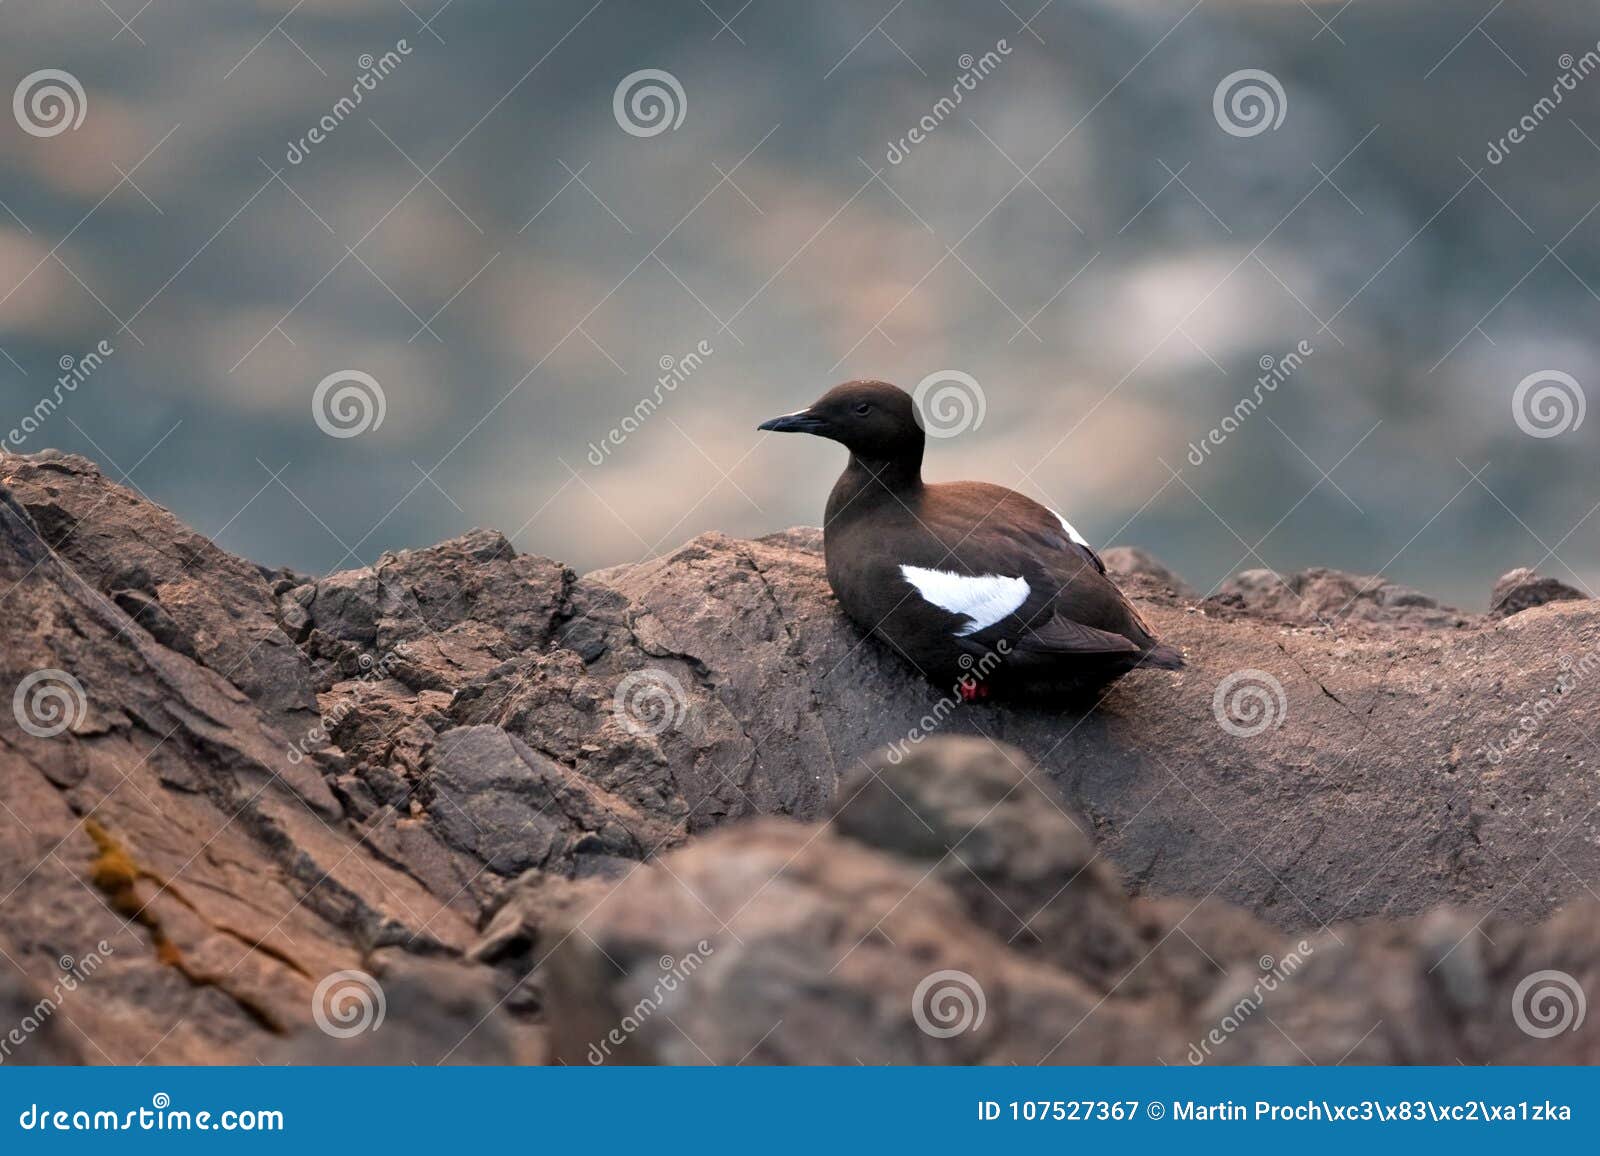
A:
x: 467, y: 806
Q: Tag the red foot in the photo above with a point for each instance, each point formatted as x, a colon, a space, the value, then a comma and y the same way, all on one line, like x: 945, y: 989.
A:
x: 971, y: 689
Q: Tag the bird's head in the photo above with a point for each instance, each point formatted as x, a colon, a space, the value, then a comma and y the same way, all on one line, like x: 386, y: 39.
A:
x: 874, y: 420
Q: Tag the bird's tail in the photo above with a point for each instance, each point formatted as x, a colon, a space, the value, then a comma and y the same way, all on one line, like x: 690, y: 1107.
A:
x: 1163, y: 657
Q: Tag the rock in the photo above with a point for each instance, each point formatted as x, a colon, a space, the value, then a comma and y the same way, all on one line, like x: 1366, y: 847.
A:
x: 162, y: 825
x: 1522, y: 589
x: 446, y: 763
x: 155, y: 618
x: 775, y: 943
x: 345, y: 606
x: 783, y: 944
x: 535, y: 914
x: 1125, y: 562
x: 1383, y: 737
x: 490, y: 795
x: 38, y: 1022
x: 192, y: 596
x: 1332, y: 599
x: 996, y: 833
x: 408, y: 1010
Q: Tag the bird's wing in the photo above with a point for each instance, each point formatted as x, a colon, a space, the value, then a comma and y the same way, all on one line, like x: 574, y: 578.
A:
x: 1076, y: 542
x: 1006, y: 567
x: 1021, y: 518
x: 1061, y: 635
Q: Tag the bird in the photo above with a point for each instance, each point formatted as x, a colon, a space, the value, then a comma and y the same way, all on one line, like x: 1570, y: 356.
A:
x: 977, y: 586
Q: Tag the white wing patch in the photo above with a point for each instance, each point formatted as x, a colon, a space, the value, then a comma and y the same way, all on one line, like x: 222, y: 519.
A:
x: 1072, y: 531
x: 984, y: 600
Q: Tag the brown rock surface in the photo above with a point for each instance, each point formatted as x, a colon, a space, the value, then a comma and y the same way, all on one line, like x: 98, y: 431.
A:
x: 450, y: 759
x: 777, y: 943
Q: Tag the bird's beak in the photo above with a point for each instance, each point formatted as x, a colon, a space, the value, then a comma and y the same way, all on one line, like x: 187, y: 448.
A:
x: 802, y: 421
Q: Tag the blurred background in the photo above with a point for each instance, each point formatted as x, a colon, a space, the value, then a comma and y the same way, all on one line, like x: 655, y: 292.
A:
x: 1099, y: 235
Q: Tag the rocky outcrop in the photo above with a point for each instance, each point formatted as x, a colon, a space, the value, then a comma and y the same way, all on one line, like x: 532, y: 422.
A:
x: 926, y: 923
x: 154, y: 815
x: 1331, y: 599
x: 467, y: 762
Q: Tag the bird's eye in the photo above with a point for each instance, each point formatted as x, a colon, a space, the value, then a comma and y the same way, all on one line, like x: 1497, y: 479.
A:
x: 863, y: 408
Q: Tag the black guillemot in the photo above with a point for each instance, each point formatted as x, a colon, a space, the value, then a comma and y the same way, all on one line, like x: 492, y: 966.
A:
x: 974, y: 584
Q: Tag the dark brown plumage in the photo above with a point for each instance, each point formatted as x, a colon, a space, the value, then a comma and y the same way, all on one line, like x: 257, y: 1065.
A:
x: 970, y: 582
